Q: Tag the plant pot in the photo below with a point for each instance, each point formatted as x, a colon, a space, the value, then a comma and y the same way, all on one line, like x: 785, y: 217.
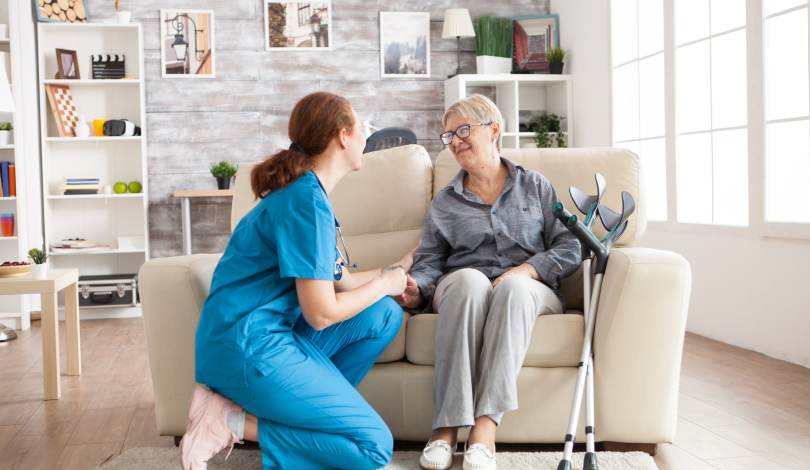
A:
x: 554, y: 127
x: 223, y: 183
x: 123, y: 16
x: 487, y: 64
x: 39, y: 271
x: 556, y: 67
x: 4, y: 137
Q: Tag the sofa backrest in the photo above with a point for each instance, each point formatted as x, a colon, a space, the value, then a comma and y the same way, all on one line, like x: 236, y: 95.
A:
x: 576, y: 167
x: 381, y: 207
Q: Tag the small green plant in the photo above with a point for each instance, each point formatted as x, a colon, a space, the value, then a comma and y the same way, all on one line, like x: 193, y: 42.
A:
x: 5, y: 126
x: 544, y: 126
x: 556, y: 54
x: 493, y: 36
x: 223, y: 169
x: 37, y: 255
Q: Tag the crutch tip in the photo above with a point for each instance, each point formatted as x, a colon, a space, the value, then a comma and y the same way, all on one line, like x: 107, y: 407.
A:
x: 590, y: 461
x: 564, y: 465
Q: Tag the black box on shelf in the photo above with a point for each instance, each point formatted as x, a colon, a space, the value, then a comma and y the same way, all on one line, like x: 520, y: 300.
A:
x: 109, y: 290
x: 108, y: 66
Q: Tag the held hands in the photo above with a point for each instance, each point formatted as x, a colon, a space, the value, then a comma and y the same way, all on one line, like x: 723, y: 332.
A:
x: 412, y: 297
x: 395, y: 279
x: 524, y: 269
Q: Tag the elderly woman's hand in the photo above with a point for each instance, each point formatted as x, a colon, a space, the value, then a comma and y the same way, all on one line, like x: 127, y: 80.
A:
x: 524, y: 269
x: 407, y: 260
x: 412, y: 297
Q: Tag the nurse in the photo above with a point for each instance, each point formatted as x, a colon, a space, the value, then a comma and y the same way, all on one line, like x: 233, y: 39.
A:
x: 287, y: 333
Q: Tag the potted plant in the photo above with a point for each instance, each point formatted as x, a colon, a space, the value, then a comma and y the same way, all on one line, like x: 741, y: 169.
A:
x: 120, y: 15
x: 555, y: 59
x: 39, y: 269
x: 223, y: 172
x: 493, y: 43
x: 5, y: 132
x: 544, y: 126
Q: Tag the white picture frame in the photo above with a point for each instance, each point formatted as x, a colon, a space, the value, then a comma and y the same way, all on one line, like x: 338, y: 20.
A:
x: 201, y: 47
x: 307, y: 26
x: 412, y: 29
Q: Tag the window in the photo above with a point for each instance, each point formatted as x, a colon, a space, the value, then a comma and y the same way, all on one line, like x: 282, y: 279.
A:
x: 638, y: 92
x: 787, y: 108
x: 303, y: 14
x: 711, y: 112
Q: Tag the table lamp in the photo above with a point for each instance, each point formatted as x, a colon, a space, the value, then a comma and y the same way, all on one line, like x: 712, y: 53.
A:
x: 457, y: 24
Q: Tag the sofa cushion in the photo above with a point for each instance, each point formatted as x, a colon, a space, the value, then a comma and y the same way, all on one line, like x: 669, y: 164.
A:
x: 556, y: 340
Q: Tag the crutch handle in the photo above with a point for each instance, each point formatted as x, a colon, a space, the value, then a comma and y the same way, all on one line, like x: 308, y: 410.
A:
x: 585, y: 236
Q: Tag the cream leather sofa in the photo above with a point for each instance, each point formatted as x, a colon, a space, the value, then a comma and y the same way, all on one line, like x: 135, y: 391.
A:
x: 639, y: 330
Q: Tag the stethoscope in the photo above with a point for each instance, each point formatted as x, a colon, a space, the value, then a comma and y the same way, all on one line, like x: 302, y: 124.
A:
x: 343, y: 261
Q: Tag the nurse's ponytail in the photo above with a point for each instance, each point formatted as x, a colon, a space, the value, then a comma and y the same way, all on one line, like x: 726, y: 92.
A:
x: 314, y: 122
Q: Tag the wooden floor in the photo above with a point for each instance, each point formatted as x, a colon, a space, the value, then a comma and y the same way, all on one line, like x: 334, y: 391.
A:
x: 738, y: 409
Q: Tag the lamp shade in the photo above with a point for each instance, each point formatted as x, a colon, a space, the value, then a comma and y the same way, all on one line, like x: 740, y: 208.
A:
x: 457, y: 24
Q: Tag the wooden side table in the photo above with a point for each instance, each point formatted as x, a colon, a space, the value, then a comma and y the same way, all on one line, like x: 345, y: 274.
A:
x: 56, y: 280
x: 186, y: 205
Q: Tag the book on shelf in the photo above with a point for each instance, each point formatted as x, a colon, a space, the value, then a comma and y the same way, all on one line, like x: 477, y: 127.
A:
x: 75, y: 246
x: 78, y: 192
x: 4, y: 175
x: 77, y: 185
x: 75, y: 242
x: 12, y: 180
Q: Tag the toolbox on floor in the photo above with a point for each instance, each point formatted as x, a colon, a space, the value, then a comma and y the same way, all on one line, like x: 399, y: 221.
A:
x: 109, y: 290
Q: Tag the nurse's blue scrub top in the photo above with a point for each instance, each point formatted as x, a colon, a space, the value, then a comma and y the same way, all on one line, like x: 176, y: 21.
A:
x: 249, y: 314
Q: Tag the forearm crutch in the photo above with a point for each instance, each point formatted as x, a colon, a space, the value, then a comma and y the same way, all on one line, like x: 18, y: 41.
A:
x: 601, y: 252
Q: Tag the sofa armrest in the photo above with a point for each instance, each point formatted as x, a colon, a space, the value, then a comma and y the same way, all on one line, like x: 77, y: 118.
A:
x: 638, y: 343
x: 172, y: 292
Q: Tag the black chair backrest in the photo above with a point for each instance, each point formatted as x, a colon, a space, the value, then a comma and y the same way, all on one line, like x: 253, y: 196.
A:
x: 389, y: 137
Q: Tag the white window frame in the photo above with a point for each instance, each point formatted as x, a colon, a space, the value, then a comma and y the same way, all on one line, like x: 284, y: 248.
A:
x: 757, y: 224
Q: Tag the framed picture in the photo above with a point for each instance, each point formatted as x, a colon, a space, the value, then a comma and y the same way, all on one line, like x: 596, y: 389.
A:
x: 532, y: 37
x: 302, y: 26
x: 404, y: 45
x: 187, y: 44
x: 62, y: 11
x: 67, y: 62
x: 63, y: 109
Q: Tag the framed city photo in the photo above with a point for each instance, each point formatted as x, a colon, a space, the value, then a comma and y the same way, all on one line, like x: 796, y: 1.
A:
x: 62, y: 11
x: 67, y: 63
x: 187, y: 44
x: 404, y: 45
x: 301, y: 26
x: 532, y: 37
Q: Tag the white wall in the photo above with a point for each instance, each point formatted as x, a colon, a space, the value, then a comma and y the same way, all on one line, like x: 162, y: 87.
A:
x: 748, y: 291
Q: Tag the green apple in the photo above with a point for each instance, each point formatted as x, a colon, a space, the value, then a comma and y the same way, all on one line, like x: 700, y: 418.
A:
x: 120, y: 187
x: 135, y: 187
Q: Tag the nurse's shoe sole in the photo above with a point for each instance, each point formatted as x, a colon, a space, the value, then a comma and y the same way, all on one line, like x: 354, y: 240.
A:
x: 438, y: 455
x: 207, y: 430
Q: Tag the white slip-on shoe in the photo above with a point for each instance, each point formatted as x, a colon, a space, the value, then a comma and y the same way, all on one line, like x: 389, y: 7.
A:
x: 438, y: 455
x: 478, y: 457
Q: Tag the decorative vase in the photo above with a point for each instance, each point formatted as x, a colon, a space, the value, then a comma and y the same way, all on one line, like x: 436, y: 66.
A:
x: 123, y: 16
x: 487, y: 64
x: 4, y: 136
x: 223, y: 183
x: 556, y: 67
x: 81, y: 128
x: 39, y: 271
x: 554, y: 126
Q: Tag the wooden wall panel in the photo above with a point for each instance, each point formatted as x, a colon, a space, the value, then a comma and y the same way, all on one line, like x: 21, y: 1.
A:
x: 241, y: 115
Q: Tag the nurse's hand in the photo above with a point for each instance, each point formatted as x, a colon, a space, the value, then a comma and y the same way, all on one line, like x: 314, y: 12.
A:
x: 412, y: 297
x: 407, y: 261
x: 395, y: 280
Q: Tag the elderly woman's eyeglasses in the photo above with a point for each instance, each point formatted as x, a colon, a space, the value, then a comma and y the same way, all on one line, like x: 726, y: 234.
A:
x: 462, y: 132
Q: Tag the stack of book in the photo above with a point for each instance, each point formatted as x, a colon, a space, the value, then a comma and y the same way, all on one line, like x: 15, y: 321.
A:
x: 79, y: 185
x: 8, y: 180
x: 75, y: 245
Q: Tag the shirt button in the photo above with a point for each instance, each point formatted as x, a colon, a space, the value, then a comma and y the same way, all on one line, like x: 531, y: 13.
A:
x: 525, y: 208
x: 498, y: 233
x: 499, y: 254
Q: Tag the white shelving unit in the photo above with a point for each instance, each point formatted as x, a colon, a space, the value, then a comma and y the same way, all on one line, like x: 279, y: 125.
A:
x: 14, y: 310
x: 97, y: 217
x: 514, y: 93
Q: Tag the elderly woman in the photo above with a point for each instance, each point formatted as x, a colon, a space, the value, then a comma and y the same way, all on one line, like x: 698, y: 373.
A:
x: 492, y: 259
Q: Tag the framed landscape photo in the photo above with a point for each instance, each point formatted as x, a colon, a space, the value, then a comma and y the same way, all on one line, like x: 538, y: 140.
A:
x: 187, y: 44
x: 532, y: 37
x: 301, y: 26
x: 62, y: 11
x: 404, y: 45
x: 67, y: 64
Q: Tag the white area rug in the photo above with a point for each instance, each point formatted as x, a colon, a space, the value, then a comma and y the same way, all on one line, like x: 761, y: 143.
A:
x: 168, y: 458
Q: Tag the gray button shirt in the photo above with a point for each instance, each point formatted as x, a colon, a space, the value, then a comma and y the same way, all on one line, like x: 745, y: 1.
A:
x: 462, y: 231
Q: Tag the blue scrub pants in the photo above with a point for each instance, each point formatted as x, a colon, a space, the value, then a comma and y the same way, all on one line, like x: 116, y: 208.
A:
x: 310, y: 415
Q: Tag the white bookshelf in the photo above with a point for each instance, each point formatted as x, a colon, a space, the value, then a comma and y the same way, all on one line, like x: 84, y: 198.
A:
x: 514, y: 93
x: 100, y: 218
x: 14, y: 310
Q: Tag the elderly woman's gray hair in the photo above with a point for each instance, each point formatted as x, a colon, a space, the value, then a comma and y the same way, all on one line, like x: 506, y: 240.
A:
x: 477, y: 108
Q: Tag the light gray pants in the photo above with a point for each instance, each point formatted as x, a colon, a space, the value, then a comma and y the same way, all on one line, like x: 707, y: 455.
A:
x: 481, y: 339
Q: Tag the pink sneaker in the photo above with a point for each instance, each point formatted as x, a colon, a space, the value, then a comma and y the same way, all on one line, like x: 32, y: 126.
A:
x: 207, y: 430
